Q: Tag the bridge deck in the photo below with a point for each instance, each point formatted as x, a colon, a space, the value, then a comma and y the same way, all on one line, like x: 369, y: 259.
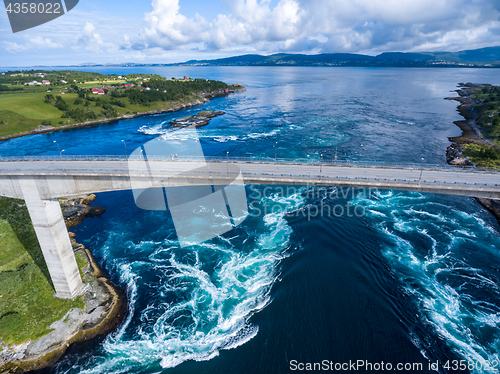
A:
x: 83, y: 176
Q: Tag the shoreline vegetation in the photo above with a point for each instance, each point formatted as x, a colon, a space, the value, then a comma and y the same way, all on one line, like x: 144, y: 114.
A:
x: 479, y: 143
x: 37, y: 102
x: 99, y: 309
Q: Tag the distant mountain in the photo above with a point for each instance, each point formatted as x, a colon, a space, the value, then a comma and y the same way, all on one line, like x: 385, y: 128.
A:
x: 485, y: 57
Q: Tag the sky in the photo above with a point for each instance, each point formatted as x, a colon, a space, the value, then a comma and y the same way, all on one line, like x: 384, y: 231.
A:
x: 166, y: 31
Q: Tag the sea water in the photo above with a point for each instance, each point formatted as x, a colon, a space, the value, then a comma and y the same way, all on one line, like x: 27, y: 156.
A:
x: 411, y: 278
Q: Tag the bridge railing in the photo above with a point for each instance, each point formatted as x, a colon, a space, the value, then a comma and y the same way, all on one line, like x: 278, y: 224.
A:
x: 266, y: 160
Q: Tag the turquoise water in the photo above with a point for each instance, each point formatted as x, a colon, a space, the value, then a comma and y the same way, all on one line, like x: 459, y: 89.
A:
x: 413, y: 279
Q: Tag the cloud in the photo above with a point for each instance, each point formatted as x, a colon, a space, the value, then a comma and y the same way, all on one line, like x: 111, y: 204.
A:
x: 36, y: 42
x: 92, y: 39
x: 345, y: 26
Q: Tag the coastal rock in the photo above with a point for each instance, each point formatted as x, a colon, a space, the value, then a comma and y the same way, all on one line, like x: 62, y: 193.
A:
x: 492, y: 205
x: 198, y: 120
x: 77, y: 209
x: 43, y: 128
x: 454, y: 156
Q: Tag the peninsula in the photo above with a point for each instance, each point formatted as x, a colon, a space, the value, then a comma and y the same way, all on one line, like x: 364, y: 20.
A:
x: 479, y: 143
x: 33, y: 102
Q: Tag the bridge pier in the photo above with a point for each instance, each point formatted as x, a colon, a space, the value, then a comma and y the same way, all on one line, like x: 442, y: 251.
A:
x: 53, y: 237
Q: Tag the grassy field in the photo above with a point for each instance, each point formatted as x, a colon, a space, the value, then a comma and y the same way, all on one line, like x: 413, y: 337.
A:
x: 27, y: 305
x: 29, y: 105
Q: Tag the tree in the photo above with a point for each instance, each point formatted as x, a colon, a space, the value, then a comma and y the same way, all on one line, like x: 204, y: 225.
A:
x: 61, y: 104
x: 496, y: 121
x: 49, y: 99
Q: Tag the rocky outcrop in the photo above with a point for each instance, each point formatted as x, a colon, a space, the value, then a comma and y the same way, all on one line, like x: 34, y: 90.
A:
x: 198, y: 120
x: 76, y: 210
x: 454, y: 156
x: 492, y: 205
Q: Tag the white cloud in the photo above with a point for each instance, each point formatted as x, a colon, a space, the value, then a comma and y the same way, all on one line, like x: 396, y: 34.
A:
x: 345, y: 26
x: 92, y: 39
x: 36, y: 42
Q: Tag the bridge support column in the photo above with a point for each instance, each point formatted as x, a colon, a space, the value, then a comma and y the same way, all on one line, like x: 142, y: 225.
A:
x: 53, y: 237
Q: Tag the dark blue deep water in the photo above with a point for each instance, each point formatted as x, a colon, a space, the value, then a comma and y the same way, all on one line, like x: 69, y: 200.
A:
x: 415, y: 278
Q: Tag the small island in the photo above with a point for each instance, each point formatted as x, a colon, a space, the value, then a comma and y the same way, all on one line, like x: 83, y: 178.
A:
x: 198, y: 120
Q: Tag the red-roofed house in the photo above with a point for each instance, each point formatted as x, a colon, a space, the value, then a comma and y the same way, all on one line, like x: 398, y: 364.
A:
x: 126, y: 85
x: 104, y: 88
x: 97, y: 91
x: 45, y: 82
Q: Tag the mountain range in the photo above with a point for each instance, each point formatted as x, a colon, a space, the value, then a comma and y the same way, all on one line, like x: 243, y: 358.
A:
x: 484, y: 57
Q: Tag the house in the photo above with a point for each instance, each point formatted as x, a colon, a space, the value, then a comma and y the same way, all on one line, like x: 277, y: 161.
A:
x: 147, y: 88
x: 126, y: 84
x: 45, y: 82
x: 104, y: 88
x: 97, y: 91
x: 63, y: 81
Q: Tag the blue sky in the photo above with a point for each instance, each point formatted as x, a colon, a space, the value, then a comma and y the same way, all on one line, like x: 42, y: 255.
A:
x: 164, y: 31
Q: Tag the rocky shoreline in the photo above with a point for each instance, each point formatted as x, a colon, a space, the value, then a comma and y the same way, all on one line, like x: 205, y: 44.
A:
x: 104, y: 306
x: 180, y: 106
x: 470, y: 134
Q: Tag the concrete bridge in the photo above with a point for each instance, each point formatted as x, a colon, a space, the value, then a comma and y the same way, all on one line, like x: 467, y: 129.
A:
x: 40, y: 181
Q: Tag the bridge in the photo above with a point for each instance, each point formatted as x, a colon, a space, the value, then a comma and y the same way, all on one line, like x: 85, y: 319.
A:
x: 41, y: 180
